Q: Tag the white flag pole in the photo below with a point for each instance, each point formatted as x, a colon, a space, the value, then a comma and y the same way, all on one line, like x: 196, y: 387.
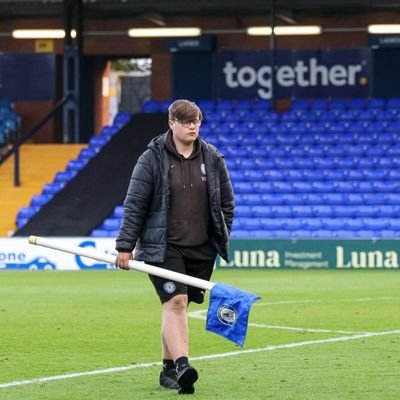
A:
x: 110, y: 259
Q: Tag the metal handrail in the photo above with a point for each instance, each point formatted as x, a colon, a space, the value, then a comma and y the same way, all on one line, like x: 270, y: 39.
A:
x: 22, y: 139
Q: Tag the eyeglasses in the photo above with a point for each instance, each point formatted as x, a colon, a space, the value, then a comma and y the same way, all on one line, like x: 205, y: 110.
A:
x: 186, y: 124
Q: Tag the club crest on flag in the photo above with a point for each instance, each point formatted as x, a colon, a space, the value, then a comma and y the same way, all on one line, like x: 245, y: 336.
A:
x: 227, y: 314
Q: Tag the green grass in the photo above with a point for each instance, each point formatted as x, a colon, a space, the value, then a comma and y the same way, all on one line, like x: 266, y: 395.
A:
x: 54, y: 323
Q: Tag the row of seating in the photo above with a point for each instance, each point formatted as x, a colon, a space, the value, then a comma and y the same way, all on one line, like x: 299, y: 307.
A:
x: 316, y: 186
x: 291, y: 223
x: 355, y: 103
x: 294, y: 223
x: 61, y: 178
x: 342, y: 150
x: 287, y: 128
x: 155, y: 106
x: 290, y: 138
x: 334, y: 175
x: 327, y: 198
x: 314, y: 163
x: 304, y: 233
x: 302, y: 115
x: 283, y: 211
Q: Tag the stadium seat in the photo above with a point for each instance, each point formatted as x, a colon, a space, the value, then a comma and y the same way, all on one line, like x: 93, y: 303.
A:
x: 52, y: 188
x: 151, y: 106
x: 356, y: 104
x: 393, y: 103
x: 40, y: 200
x: 300, y: 104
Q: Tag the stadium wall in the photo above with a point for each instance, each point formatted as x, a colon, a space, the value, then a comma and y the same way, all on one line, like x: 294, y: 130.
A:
x: 17, y: 254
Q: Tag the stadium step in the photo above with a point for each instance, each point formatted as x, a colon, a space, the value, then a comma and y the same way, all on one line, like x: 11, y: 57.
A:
x: 39, y: 164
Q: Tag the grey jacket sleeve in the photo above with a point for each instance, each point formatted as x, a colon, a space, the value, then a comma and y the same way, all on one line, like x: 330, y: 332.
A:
x: 227, y: 197
x: 136, y: 204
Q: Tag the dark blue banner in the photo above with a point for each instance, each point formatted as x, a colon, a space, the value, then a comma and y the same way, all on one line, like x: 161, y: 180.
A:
x: 27, y: 76
x: 298, y: 74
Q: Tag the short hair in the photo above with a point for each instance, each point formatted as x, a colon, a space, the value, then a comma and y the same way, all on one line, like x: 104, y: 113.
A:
x: 184, y: 110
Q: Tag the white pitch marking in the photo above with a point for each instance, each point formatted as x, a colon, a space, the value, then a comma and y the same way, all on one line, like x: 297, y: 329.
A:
x: 360, y: 299
x: 200, y: 314
x: 206, y: 357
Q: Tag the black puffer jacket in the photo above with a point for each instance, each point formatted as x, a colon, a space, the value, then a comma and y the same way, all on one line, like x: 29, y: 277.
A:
x: 144, y: 224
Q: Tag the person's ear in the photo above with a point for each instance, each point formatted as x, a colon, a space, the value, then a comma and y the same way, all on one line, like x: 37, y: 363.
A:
x: 170, y: 123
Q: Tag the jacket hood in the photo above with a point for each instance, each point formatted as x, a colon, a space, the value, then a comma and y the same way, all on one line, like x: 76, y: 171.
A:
x: 158, y: 142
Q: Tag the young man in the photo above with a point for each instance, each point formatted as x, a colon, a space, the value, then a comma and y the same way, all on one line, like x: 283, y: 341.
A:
x: 178, y: 213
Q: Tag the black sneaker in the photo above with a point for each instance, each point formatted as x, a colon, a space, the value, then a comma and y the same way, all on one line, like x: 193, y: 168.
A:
x: 168, y: 379
x: 187, y: 376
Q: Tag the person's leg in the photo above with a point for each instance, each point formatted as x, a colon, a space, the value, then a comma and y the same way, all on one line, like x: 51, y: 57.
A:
x: 174, y: 325
x: 175, y: 339
x: 174, y: 328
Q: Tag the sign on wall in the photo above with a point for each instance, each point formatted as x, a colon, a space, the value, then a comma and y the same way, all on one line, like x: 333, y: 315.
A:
x: 337, y: 73
x: 314, y: 254
x: 18, y: 254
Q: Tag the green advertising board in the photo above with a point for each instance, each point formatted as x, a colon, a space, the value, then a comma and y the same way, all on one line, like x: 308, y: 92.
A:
x: 312, y: 253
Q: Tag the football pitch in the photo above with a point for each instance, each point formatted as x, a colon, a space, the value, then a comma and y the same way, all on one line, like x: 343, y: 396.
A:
x: 95, y: 335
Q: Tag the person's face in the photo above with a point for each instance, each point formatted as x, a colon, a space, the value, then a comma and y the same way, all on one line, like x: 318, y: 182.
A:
x: 185, y: 131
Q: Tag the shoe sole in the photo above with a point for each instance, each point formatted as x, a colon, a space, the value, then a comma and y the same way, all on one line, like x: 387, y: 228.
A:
x: 187, y: 380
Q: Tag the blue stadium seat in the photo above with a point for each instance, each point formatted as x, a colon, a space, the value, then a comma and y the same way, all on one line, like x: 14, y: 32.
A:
x: 338, y: 104
x: 393, y: 103
x: 243, y: 104
x: 118, y: 212
x: 111, y: 224
x: 40, y: 200
x: 21, y: 222
x: 269, y: 117
x: 320, y: 104
x: 366, y: 211
x: 52, y: 188
x: 164, y: 105
x: 225, y: 105
x: 122, y: 118
x: 87, y: 153
x: 242, y: 187
x: 99, y: 141
x: 322, y: 211
x: 76, y: 165
x: 101, y: 233
x: 244, y: 211
x: 344, y: 210
x: 109, y: 130
x: 213, y: 116
x: 356, y: 104
x: 27, y: 212
x: 63, y: 177
x: 261, y: 104
x: 300, y: 104
x: 151, y: 106
x: 207, y: 105
x: 302, y: 211
x: 375, y: 103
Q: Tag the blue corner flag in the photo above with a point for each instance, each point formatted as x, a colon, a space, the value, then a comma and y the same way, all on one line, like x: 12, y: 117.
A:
x: 228, y: 312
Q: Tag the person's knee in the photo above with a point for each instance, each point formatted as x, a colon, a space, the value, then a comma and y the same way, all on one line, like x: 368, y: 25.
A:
x: 177, y: 303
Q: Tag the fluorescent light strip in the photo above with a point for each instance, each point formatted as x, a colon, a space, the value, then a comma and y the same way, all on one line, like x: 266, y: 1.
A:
x: 163, y: 32
x: 38, y: 34
x: 284, y: 30
x: 384, y: 28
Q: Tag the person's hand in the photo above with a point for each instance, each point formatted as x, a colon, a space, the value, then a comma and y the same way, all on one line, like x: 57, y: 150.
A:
x: 122, y: 260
